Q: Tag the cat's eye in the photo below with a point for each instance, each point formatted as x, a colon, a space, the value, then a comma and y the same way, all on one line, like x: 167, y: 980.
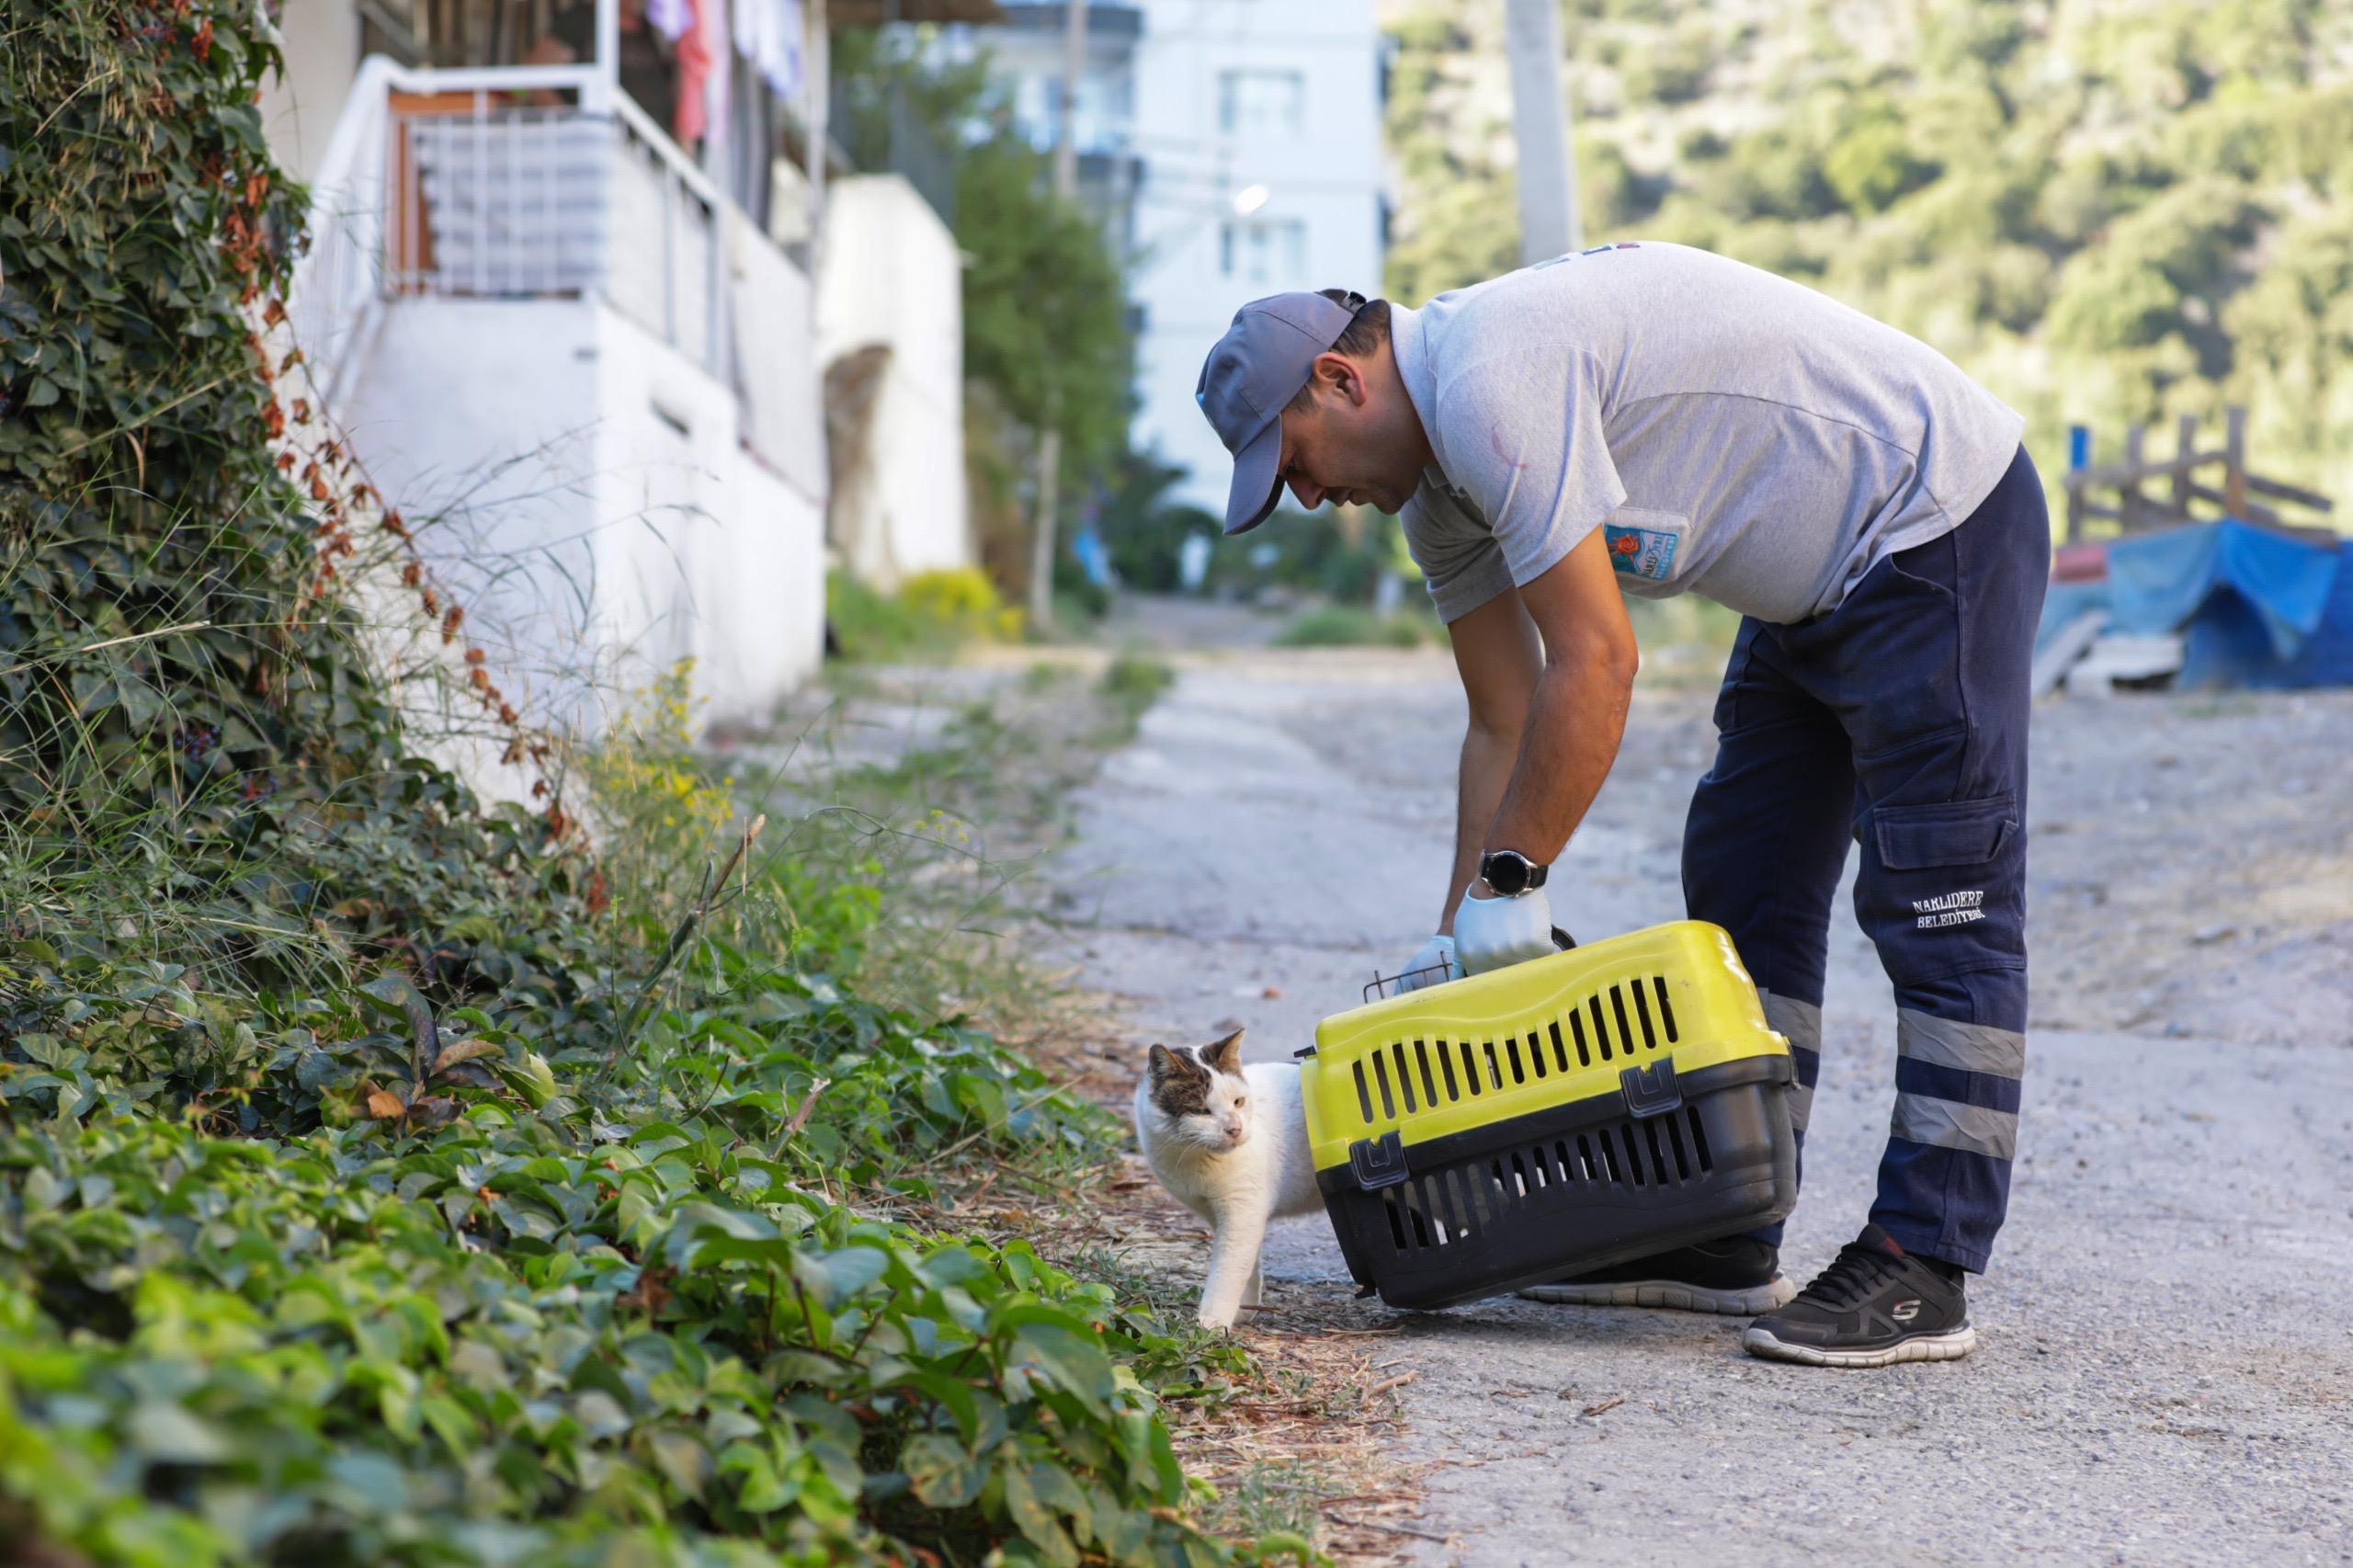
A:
x: 1239, y: 1101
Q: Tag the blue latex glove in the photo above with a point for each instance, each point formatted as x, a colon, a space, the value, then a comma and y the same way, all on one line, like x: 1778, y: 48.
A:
x: 1490, y: 933
x: 1435, y: 951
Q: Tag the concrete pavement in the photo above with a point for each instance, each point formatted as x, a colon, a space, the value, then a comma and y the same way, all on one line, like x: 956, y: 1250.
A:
x: 2165, y: 1369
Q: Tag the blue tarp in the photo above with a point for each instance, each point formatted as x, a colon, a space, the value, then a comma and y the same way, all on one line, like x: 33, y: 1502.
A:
x: 2253, y: 608
x: 2159, y: 582
x: 2227, y: 644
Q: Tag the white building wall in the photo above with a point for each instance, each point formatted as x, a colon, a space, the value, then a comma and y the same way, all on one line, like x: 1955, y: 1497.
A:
x: 891, y: 275
x: 704, y: 550
x: 299, y: 108
x: 584, y: 492
x: 1233, y: 93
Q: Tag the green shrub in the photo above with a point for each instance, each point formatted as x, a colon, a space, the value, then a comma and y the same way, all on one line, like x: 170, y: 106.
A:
x: 1350, y: 626
x: 1669, y: 69
x: 1136, y: 680
x: 1133, y: 682
x: 932, y: 614
x: 1869, y: 165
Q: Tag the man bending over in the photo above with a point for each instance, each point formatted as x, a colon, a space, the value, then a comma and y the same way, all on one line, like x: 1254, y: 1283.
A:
x: 1655, y: 420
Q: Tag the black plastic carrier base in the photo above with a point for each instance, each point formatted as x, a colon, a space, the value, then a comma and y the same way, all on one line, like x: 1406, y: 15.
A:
x: 1662, y: 1162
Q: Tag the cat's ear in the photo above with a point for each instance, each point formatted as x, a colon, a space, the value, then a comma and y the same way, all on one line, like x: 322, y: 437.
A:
x: 1163, y: 1064
x: 1226, y: 1054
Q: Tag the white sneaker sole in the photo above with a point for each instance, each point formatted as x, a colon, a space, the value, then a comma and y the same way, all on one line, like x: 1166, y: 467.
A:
x: 1951, y: 1347
x: 1671, y: 1294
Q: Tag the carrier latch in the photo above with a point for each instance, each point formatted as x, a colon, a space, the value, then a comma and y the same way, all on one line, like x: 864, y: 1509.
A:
x: 1652, y: 1090
x: 1377, y: 1161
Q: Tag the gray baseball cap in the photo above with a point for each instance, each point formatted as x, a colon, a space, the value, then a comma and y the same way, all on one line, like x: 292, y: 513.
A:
x: 1257, y: 368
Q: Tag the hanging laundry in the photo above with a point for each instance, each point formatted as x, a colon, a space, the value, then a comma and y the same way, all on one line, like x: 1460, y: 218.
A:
x: 670, y: 19
x: 788, y: 75
x: 713, y: 16
x: 770, y: 34
x: 690, y: 110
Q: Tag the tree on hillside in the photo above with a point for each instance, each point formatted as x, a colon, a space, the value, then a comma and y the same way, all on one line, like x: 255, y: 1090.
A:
x: 2107, y: 215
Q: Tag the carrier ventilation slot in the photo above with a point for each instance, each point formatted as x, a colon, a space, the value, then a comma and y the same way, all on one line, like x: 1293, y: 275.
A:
x: 1643, y: 1016
x: 1404, y: 1075
x: 1590, y: 1037
x: 1446, y: 1208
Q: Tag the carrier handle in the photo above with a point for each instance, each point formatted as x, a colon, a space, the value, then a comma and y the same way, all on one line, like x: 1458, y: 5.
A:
x: 1379, y: 1162
x: 1651, y: 1090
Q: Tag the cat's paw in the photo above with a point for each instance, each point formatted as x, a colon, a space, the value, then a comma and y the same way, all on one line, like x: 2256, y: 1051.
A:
x: 1213, y: 1322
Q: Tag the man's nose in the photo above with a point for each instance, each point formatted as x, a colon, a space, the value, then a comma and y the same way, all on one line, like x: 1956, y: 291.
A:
x: 1310, y: 494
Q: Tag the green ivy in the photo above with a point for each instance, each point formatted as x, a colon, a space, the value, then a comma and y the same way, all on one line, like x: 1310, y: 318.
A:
x: 178, y: 697
x: 366, y: 1196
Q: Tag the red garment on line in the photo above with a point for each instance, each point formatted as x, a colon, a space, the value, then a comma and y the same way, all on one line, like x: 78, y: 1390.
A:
x: 690, y: 115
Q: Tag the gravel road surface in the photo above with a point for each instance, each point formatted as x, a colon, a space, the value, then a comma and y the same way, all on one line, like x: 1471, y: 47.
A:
x: 2165, y: 1362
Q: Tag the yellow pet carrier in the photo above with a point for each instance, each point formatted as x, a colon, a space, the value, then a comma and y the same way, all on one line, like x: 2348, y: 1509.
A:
x: 1505, y: 1130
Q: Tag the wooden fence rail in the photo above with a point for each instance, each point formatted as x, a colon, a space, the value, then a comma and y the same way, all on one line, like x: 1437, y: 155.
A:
x: 2138, y: 508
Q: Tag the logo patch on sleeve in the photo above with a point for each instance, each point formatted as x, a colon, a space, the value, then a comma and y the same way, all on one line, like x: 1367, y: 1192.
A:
x: 1641, y: 552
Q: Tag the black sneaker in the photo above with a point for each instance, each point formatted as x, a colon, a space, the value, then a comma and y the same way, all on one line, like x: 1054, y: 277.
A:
x: 1738, y: 1274
x: 1874, y: 1306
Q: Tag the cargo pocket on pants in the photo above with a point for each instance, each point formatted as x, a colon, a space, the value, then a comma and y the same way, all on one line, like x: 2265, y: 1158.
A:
x: 1942, y: 889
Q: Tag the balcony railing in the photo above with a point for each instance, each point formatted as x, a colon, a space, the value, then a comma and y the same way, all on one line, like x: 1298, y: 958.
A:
x: 508, y: 182
x: 1105, y: 21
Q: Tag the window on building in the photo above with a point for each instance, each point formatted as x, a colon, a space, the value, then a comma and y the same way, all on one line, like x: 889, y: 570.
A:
x: 1271, y: 252
x: 1260, y: 105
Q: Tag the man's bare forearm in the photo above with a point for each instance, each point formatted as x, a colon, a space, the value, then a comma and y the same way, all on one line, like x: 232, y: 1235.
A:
x: 1484, y: 773
x: 1574, y: 724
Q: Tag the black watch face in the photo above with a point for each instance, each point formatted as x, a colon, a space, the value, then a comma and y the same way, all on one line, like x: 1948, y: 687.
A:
x: 1506, y: 873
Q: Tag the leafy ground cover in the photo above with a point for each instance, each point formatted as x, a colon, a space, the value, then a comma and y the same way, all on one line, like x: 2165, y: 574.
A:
x: 384, y: 1178
x: 655, y: 1273
x: 603, y: 1259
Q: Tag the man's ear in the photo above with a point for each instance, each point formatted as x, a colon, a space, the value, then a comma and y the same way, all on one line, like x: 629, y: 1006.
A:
x: 1344, y: 376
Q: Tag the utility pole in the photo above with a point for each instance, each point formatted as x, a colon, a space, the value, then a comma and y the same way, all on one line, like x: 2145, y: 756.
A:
x: 817, y: 107
x: 1073, y: 67
x: 1540, y: 122
x: 1050, y: 440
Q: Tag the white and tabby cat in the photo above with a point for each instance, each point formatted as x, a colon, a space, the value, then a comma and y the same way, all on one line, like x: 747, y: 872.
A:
x: 1229, y: 1142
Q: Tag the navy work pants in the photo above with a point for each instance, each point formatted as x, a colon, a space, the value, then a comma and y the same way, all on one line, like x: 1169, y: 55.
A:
x: 1899, y: 720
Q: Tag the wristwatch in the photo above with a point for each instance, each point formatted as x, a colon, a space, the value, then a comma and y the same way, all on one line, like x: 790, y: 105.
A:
x: 1510, y: 873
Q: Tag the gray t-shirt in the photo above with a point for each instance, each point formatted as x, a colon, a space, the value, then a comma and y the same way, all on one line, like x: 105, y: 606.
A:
x: 1738, y: 435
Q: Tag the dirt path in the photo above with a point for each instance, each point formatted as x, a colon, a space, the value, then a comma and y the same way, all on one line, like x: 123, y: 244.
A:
x: 2166, y: 1366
